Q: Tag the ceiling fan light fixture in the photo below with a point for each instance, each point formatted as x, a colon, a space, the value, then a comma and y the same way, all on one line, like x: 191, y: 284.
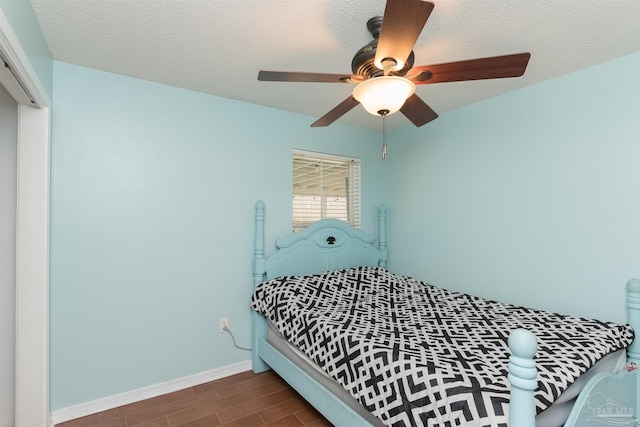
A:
x: 386, y: 93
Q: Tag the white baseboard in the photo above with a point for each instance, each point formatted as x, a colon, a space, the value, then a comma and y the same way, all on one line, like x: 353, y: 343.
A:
x: 8, y: 424
x: 110, y: 402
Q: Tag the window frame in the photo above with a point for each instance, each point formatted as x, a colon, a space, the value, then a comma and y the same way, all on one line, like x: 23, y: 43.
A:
x: 347, y: 210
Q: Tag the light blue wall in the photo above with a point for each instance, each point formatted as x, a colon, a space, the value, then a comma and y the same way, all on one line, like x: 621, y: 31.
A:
x: 152, y: 200
x: 26, y: 28
x: 532, y: 197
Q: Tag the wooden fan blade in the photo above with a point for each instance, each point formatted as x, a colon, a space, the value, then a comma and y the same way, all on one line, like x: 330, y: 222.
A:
x: 402, y: 24
x: 333, y: 115
x: 288, y: 76
x: 418, y: 111
x: 496, y: 67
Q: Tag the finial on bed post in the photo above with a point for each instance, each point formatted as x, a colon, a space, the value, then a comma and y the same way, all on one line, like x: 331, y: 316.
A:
x: 382, y: 235
x: 633, y: 317
x: 258, y: 323
x: 522, y: 376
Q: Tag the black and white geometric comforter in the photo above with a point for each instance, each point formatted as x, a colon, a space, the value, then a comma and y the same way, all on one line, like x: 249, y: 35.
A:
x: 417, y: 355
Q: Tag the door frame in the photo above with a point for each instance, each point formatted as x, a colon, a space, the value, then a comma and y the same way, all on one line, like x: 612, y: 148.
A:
x: 32, y: 239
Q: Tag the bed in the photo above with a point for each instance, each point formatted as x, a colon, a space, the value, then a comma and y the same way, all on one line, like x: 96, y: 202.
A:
x: 362, y: 379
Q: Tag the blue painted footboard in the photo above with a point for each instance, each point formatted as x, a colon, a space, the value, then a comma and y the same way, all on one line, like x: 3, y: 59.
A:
x: 606, y: 400
x: 614, y: 399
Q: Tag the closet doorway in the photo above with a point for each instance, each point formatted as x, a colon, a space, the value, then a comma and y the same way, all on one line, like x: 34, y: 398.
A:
x: 31, y: 235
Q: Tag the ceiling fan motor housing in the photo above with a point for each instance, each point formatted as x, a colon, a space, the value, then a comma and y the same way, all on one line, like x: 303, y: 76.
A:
x: 362, y: 63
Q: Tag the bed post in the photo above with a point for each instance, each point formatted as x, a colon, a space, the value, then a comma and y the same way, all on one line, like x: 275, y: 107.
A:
x: 522, y: 376
x: 258, y: 322
x: 633, y: 317
x: 382, y: 236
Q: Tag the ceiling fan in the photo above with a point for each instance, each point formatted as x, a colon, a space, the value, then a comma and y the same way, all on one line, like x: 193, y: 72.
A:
x: 384, y: 70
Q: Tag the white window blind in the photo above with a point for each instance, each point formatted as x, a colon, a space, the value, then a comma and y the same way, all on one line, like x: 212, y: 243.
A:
x: 325, y: 186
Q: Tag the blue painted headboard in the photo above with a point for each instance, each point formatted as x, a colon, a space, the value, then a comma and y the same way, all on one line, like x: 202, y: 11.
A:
x: 325, y: 245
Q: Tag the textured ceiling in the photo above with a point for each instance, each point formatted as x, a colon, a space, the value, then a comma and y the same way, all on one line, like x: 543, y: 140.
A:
x: 218, y: 47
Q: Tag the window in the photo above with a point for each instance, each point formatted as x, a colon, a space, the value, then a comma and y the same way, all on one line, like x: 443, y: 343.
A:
x: 325, y: 186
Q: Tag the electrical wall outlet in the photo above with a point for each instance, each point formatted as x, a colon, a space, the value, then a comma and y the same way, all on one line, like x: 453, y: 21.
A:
x: 224, y: 324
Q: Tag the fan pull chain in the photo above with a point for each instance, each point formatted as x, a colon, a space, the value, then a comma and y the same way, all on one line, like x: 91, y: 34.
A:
x: 384, y: 134
x: 388, y: 67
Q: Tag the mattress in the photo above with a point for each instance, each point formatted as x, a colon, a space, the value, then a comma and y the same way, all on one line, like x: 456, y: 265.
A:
x: 554, y: 416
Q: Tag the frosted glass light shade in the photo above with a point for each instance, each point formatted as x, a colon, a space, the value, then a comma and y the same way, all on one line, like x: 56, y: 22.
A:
x: 384, y: 93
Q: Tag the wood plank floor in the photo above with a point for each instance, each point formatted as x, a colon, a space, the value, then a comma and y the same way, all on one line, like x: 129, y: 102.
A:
x: 242, y: 400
